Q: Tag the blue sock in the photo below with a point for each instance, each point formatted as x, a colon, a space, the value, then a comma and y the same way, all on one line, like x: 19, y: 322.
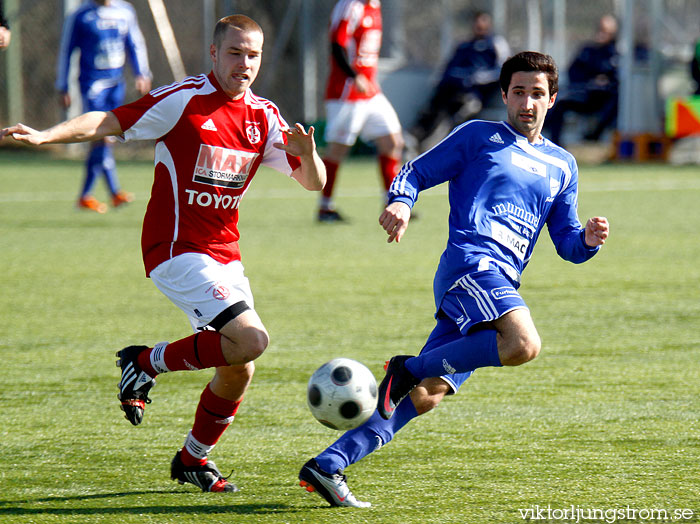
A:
x: 109, y: 168
x: 93, y: 166
x: 357, y: 443
x: 476, y: 350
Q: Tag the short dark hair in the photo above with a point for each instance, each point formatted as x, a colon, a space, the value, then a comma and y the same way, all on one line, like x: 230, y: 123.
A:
x: 241, y: 22
x: 529, y: 61
x: 478, y: 14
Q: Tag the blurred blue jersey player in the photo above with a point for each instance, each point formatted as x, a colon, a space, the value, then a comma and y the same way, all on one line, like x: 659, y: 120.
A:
x: 506, y: 182
x: 105, y: 32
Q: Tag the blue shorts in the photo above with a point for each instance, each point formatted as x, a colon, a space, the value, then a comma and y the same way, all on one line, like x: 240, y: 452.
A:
x: 482, y: 296
x: 103, y: 95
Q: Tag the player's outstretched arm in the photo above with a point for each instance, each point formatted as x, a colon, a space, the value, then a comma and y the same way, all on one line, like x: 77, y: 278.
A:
x: 83, y: 128
x: 394, y: 220
x: 312, y: 173
x: 597, y: 231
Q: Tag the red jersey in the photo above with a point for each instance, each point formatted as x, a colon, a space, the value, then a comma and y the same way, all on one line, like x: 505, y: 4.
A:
x: 357, y: 26
x: 208, y: 149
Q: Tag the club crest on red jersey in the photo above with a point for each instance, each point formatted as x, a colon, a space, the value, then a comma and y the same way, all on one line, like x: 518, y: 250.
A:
x: 253, y: 133
x: 221, y: 167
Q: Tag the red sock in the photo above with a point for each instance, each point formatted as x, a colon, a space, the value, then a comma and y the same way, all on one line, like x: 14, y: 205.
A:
x: 331, y: 172
x: 389, y: 166
x: 214, y: 414
x: 199, y: 351
x: 144, y: 362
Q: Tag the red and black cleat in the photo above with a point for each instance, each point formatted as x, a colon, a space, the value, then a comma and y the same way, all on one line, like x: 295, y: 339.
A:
x: 134, y: 384
x: 206, y: 477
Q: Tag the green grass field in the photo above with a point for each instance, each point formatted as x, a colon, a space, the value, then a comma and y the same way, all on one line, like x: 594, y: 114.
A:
x: 606, y: 418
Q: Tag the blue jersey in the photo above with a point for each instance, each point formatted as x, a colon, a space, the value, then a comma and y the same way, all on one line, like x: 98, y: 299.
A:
x: 105, y: 36
x: 502, y: 191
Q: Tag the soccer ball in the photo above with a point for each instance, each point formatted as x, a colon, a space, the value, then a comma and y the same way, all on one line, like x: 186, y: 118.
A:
x: 342, y: 394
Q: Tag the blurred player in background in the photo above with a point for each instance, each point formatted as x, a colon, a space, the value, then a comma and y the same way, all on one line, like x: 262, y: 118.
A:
x: 212, y: 134
x: 5, y: 33
x: 469, y: 82
x: 355, y: 105
x: 506, y: 181
x: 105, y: 32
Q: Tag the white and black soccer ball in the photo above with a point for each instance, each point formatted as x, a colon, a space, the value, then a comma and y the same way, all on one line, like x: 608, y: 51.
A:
x: 342, y: 394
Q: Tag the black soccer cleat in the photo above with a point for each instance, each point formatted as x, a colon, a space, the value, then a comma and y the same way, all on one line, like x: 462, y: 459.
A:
x: 333, y: 488
x: 330, y: 215
x: 207, y: 477
x: 134, y: 384
x: 397, y: 383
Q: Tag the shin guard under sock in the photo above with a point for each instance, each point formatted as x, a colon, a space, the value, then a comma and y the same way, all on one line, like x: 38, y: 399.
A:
x: 468, y: 353
x: 357, y: 443
x: 93, y: 167
x: 331, y: 172
x: 200, y: 351
x: 389, y: 167
x: 214, y: 414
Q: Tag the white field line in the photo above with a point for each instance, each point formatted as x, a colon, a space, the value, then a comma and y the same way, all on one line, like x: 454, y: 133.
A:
x: 294, y: 193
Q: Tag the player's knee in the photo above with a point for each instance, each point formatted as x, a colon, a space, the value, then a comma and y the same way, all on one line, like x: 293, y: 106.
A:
x: 524, y: 350
x: 251, y: 342
x: 423, y: 404
x: 428, y: 395
x: 255, y: 342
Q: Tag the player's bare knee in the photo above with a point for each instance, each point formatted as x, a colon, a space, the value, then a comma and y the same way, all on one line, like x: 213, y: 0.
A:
x: 428, y: 394
x: 525, y: 350
x: 247, y: 345
x: 254, y: 342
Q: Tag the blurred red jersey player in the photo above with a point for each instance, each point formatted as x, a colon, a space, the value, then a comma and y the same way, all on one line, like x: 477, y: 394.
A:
x: 355, y: 104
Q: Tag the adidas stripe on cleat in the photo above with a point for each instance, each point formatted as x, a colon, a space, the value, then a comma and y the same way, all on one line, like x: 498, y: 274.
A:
x: 333, y: 488
x: 396, y: 385
x: 134, y: 384
x: 208, y: 478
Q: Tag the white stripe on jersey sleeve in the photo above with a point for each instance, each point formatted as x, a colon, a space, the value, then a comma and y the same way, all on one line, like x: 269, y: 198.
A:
x: 165, y: 113
x: 140, y: 53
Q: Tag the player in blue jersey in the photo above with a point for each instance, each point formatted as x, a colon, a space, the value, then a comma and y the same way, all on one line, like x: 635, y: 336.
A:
x: 506, y: 182
x: 105, y: 32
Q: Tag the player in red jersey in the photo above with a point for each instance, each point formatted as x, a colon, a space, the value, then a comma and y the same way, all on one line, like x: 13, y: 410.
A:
x: 355, y: 105
x: 212, y: 133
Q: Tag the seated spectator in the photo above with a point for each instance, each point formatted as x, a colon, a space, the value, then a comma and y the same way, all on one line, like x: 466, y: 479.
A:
x: 470, y: 80
x: 593, y: 84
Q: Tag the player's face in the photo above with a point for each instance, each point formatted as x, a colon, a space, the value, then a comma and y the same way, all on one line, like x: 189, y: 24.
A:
x: 236, y: 61
x: 527, y: 102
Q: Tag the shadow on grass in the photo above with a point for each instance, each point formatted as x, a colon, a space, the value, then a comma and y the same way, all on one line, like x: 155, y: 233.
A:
x: 227, y: 506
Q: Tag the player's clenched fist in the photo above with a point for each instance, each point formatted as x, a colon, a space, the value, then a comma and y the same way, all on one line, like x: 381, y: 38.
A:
x: 597, y: 231
x: 394, y: 220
